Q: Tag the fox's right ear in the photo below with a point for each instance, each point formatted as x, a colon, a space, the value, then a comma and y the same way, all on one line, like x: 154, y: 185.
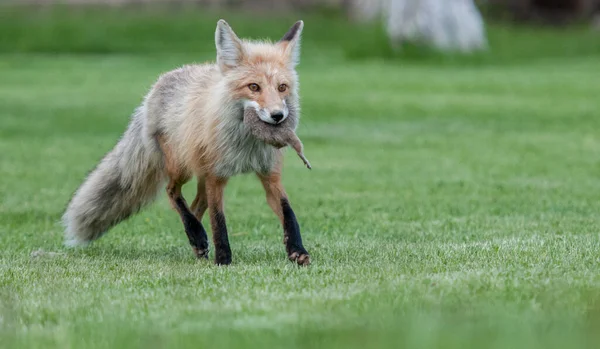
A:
x: 229, y: 46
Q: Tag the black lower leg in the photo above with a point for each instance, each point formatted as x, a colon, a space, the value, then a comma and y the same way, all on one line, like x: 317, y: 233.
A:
x: 220, y: 238
x: 292, y: 238
x: 193, y: 228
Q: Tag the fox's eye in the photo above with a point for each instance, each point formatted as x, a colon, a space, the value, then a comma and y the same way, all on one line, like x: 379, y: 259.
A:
x: 254, y: 87
x: 282, y: 88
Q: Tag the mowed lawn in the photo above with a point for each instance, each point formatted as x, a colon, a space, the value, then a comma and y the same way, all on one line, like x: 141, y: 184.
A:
x: 449, y: 206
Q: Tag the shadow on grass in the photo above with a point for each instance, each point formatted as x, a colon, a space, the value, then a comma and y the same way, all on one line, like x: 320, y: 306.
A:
x: 182, y: 254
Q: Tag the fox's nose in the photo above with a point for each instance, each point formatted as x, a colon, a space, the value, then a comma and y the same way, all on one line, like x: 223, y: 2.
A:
x: 277, y: 116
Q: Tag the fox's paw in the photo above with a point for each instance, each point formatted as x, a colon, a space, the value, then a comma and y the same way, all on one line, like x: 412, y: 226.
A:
x: 223, y: 260
x: 300, y: 256
x: 223, y: 256
x: 201, y: 253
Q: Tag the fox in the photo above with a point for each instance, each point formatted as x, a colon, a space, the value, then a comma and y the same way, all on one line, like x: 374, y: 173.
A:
x: 190, y: 124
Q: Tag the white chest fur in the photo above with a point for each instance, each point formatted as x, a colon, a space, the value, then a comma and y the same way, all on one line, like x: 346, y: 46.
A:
x: 241, y: 152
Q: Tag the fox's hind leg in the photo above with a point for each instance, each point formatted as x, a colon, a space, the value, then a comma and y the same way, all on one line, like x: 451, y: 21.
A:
x: 200, y: 203
x: 278, y: 200
x: 215, y: 187
x: 193, y: 228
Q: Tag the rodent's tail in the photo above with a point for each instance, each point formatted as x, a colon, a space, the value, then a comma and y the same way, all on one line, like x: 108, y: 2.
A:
x: 127, y: 179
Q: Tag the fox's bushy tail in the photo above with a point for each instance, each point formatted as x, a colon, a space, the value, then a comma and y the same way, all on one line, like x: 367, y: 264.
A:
x: 126, y: 179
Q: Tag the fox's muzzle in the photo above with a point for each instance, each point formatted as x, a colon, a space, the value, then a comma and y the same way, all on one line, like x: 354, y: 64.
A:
x: 269, y: 115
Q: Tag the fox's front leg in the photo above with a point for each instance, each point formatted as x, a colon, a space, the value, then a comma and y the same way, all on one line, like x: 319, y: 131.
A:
x: 215, y: 187
x: 278, y: 200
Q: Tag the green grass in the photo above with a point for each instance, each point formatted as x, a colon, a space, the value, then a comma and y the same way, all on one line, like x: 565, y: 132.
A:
x: 100, y: 31
x: 450, y: 205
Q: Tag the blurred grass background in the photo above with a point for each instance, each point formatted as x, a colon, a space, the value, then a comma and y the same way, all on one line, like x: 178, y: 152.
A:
x: 453, y: 201
x: 159, y: 30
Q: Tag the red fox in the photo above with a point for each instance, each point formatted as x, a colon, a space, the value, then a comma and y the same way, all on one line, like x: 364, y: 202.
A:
x: 191, y: 124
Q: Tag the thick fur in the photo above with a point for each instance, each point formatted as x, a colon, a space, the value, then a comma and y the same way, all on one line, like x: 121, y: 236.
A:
x: 197, y: 111
x: 126, y: 179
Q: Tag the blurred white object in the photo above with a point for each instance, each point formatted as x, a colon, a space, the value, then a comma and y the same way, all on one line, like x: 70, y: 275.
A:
x: 447, y: 25
x: 596, y: 22
x: 363, y: 10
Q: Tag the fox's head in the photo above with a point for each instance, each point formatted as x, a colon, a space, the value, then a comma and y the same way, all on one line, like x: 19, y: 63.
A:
x: 261, y: 75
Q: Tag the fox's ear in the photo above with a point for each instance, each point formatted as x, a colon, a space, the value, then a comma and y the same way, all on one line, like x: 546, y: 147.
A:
x: 291, y: 42
x: 229, y: 46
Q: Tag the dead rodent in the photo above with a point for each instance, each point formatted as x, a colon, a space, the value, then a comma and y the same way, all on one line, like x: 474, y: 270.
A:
x: 278, y: 135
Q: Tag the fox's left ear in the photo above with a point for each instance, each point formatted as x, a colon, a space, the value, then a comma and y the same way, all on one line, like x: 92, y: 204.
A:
x: 291, y: 42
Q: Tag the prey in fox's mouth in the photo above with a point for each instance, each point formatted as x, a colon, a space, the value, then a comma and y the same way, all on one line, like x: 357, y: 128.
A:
x: 278, y: 135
